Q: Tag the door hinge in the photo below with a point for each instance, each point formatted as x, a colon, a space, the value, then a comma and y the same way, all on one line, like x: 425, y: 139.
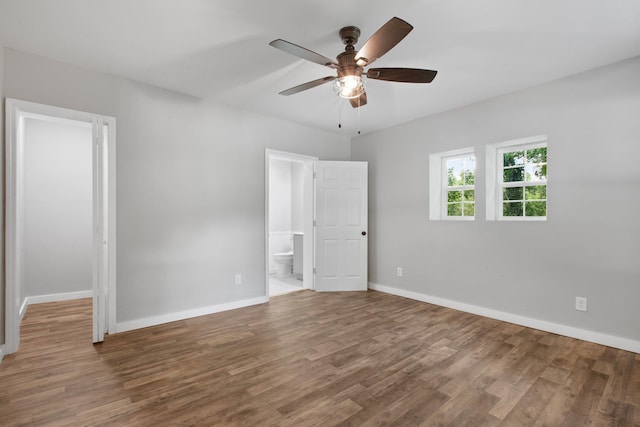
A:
x: 315, y: 175
x: 314, y: 270
x: 314, y: 222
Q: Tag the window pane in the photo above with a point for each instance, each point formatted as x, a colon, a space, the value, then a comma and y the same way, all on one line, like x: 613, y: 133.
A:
x: 469, y: 177
x: 469, y: 170
x: 535, y: 192
x: 537, y: 155
x: 536, y: 208
x: 514, y: 193
x: 469, y: 209
x: 454, y: 209
x: 513, y: 174
x: 514, y: 158
x: 523, y: 182
x: 512, y: 209
x: 456, y: 176
x: 535, y: 172
x: 454, y: 196
x: 455, y: 172
x: 470, y: 163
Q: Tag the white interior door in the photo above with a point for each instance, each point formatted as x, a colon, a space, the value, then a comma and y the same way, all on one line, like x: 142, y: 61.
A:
x: 341, y: 226
x: 100, y: 254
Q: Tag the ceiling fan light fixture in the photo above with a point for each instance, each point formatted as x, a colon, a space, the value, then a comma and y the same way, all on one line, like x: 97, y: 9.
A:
x: 349, y: 86
x: 349, y: 65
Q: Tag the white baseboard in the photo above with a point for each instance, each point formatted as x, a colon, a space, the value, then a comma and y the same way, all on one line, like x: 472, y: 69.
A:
x: 1, y: 353
x: 66, y: 296
x: 181, y: 315
x: 543, y: 325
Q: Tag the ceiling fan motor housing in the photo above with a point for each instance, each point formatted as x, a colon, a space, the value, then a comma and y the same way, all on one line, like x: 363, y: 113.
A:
x: 348, y: 65
x: 350, y: 35
x: 346, y: 60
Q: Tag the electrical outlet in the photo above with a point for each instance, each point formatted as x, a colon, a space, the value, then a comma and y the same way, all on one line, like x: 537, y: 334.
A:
x: 399, y: 271
x: 238, y: 279
x: 581, y: 304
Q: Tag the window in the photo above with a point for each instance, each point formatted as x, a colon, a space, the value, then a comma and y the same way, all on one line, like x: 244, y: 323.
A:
x: 524, y: 182
x: 459, y: 191
x: 517, y: 179
x: 452, y: 185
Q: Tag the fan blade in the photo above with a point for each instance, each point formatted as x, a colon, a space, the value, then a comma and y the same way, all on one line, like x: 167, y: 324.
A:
x: 406, y: 75
x: 360, y: 101
x: 303, y: 53
x: 389, y: 35
x: 307, y: 85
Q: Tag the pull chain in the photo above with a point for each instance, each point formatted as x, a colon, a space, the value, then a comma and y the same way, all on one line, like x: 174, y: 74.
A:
x: 359, y: 116
x: 340, y: 115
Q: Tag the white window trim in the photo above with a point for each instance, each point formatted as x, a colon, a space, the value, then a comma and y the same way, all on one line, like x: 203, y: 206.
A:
x: 493, y: 179
x: 437, y: 180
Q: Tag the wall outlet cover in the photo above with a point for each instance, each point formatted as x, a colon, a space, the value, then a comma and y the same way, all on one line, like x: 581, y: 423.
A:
x: 581, y: 304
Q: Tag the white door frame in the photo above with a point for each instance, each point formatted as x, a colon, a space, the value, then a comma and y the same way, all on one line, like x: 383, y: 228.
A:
x: 309, y: 212
x: 16, y: 112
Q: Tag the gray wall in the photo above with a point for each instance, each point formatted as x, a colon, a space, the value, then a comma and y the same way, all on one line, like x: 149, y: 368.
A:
x: 2, y: 203
x: 58, y: 208
x: 190, y: 183
x: 589, y: 245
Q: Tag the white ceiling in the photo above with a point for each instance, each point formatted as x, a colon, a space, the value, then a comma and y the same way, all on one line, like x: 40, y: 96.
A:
x: 218, y: 49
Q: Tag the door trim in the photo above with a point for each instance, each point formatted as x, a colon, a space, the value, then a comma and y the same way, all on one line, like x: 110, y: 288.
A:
x: 16, y: 111
x: 309, y: 187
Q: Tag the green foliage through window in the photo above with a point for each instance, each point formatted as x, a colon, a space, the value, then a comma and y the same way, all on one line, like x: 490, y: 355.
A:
x: 460, y: 186
x: 524, y: 183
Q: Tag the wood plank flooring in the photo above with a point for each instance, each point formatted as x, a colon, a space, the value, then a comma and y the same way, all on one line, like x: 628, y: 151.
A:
x: 307, y: 359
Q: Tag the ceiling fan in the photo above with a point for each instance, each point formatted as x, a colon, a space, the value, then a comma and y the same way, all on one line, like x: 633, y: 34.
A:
x: 349, y: 82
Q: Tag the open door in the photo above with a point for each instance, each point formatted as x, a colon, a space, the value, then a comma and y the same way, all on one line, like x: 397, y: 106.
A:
x: 341, y: 226
x: 104, y: 214
x: 100, y: 225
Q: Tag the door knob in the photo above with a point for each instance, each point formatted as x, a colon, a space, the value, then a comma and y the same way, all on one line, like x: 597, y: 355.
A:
x: 364, y: 233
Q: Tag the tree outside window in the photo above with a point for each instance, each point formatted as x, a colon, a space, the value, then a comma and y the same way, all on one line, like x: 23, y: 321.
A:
x: 460, y: 186
x: 524, y: 182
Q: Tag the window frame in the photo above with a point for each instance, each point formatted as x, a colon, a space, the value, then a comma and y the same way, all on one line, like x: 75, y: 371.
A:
x: 444, y: 198
x: 438, y: 184
x: 494, y: 177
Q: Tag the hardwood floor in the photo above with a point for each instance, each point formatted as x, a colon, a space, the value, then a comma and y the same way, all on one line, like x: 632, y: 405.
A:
x: 307, y: 359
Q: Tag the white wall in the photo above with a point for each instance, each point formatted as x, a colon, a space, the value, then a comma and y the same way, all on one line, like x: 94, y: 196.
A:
x: 279, y: 209
x: 58, y: 207
x: 279, y: 195
x: 297, y: 197
x: 589, y: 245
x: 286, y: 205
x: 190, y: 184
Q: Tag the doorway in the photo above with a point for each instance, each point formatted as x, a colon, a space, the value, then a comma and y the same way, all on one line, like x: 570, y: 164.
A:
x: 289, y: 210
x: 89, y: 174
